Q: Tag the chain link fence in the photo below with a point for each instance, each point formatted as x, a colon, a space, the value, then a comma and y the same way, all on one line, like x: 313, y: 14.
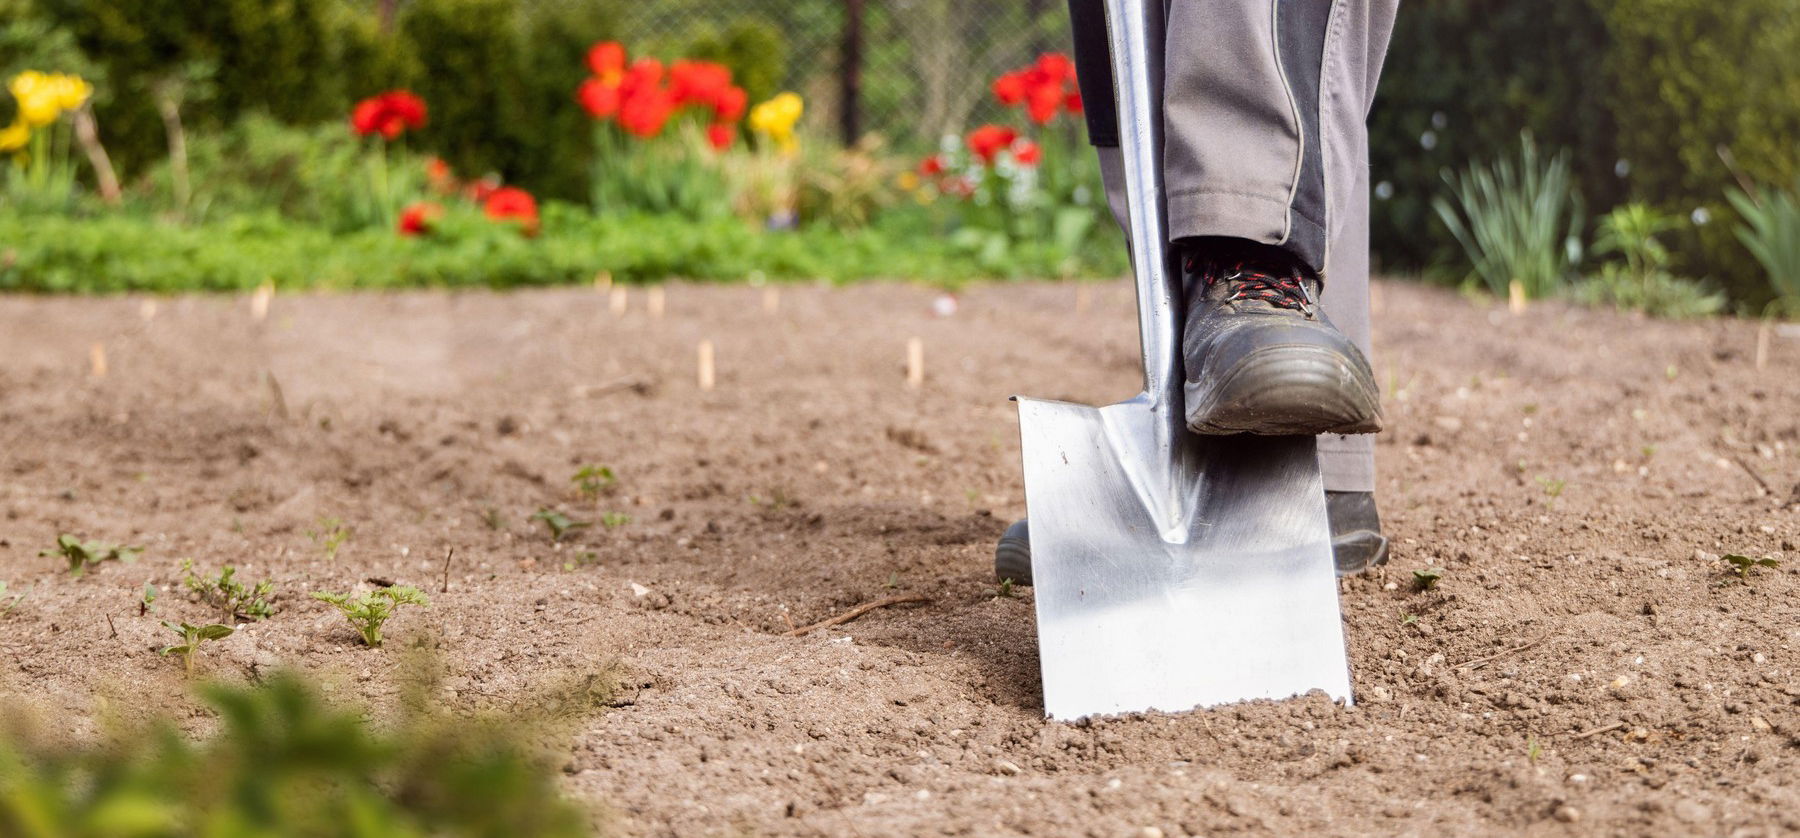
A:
x: 909, y: 70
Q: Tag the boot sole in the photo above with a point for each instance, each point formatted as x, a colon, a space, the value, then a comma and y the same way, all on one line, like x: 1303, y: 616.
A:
x: 1288, y: 391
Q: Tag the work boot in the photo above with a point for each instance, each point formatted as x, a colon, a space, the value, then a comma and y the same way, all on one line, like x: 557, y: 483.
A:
x: 1356, y: 540
x: 1261, y: 356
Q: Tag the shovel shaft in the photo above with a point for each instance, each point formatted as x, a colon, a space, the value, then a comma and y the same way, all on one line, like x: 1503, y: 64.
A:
x: 1135, y: 30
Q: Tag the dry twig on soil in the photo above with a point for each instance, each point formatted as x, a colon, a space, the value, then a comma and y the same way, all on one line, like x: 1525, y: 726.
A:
x: 1597, y: 731
x: 858, y: 611
x: 1479, y: 661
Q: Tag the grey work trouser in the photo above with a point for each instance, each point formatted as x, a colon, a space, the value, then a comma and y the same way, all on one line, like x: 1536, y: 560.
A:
x: 1265, y: 105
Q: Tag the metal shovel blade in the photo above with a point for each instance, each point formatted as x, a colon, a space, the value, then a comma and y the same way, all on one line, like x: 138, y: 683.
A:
x: 1216, y: 589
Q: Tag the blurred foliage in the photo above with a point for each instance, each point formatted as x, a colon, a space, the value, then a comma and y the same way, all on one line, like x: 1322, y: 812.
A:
x: 1639, y: 278
x: 1771, y: 232
x: 1462, y: 78
x: 284, y: 763
x: 1517, y: 222
x: 121, y: 252
x: 1694, y: 79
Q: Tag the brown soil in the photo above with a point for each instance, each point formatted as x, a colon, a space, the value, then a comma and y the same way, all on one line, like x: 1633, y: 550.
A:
x: 1585, y: 666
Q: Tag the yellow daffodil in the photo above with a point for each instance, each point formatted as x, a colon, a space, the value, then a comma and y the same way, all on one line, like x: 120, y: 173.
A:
x: 15, y: 136
x: 43, y: 97
x: 775, y: 119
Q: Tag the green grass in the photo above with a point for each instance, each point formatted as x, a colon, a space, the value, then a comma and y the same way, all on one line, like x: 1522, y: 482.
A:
x: 125, y: 252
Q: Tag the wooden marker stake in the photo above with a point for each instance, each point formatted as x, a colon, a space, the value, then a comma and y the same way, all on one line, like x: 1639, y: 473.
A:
x: 259, y: 301
x: 1762, y: 343
x: 97, y: 360
x: 706, y: 365
x: 654, y: 301
x: 1084, y: 297
x: 771, y: 299
x: 619, y: 301
x: 1515, y: 297
x: 915, y: 363
x: 147, y: 310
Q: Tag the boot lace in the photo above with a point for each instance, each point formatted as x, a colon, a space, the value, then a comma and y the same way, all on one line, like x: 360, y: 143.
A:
x: 1281, y: 290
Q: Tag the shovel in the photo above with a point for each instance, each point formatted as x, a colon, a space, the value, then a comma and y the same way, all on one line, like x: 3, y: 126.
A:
x: 1171, y: 570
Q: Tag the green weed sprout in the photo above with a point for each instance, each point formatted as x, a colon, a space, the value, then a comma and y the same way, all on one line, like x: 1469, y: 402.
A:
x: 1428, y: 578
x: 368, y: 612
x: 1006, y: 589
x: 331, y: 534
x: 558, y: 523
x: 1742, y: 565
x: 1553, y: 489
x: 16, y: 599
x: 192, y: 637
x: 84, y: 554
x: 615, y: 519
x: 148, y: 603
x: 590, y: 481
x: 227, y: 594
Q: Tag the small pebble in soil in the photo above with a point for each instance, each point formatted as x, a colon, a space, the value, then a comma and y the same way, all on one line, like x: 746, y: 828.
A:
x: 1567, y: 814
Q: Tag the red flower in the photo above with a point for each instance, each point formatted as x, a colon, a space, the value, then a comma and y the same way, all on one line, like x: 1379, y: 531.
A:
x: 1073, y: 102
x: 644, y: 112
x: 729, y: 106
x: 1043, y: 101
x: 388, y: 114
x: 607, y: 60
x: 1010, y: 88
x: 1055, y: 67
x: 416, y: 219
x: 510, y: 203
x: 1028, y: 153
x: 645, y: 74
x: 599, y: 99
x: 698, y: 82
x: 719, y: 135
x: 931, y: 166
x: 988, y: 140
x: 478, y: 191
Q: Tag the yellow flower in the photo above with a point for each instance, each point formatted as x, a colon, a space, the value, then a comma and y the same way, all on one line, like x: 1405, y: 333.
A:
x: 45, y: 96
x: 15, y: 136
x: 71, y: 91
x: 775, y: 119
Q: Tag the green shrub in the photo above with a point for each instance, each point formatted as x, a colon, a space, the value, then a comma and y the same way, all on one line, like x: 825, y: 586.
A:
x: 1516, y: 222
x: 1642, y: 282
x: 1771, y: 232
x: 1692, y: 78
x: 283, y: 764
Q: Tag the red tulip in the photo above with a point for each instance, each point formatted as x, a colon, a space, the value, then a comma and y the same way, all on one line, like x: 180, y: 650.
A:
x: 645, y: 74
x: 988, y: 140
x: 1043, y: 101
x: 644, y: 112
x: 1010, y: 89
x: 1028, y: 153
x: 1072, y: 102
x: 416, y: 219
x: 607, y: 60
x: 510, y: 203
x: 599, y: 99
x: 729, y: 106
x: 719, y: 135
x: 698, y: 82
x: 931, y: 166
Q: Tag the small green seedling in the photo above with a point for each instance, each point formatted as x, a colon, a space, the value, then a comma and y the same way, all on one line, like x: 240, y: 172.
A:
x: 331, y: 535
x: 368, y: 612
x: 1534, y: 750
x: 558, y: 523
x: 1006, y: 588
x: 615, y: 519
x: 893, y: 579
x: 147, y: 604
x: 590, y: 481
x: 85, y: 554
x: 16, y: 598
x: 192, y: 637
x: 1553, y: 489
x: 1428, y: 578
x: 1742, y: 565
x: 585, y: 558
x: 1409, y: 619
x: 491, y: 517
x: 230, y: 596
